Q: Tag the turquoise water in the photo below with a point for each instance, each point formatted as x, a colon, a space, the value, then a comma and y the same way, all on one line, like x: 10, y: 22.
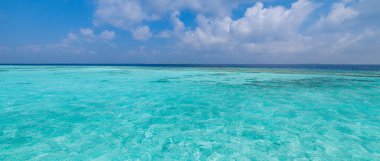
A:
x: 192, y: 113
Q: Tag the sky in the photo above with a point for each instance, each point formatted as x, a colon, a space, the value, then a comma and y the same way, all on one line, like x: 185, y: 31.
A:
x: 190, y: 31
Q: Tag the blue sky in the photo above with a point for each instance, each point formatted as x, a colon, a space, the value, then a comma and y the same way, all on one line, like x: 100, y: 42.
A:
x: 190, y: 31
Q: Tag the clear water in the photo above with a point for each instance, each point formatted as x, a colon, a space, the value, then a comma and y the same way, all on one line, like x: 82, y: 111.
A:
x: 192, y: 113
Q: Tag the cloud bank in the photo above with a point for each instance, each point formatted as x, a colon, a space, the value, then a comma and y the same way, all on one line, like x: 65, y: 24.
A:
x: 225, y: 31
x: 261, y: 30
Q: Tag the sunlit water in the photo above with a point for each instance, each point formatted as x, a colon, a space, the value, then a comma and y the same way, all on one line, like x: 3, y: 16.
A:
x: 192, y: 113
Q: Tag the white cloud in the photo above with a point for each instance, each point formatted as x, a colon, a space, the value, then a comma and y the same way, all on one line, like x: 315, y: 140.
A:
x: 130, y: 14
x: 339, y: 14
x: 278, y: 30
x: 81, y: 42
x: 141, y: 33
x: 71, y: 37
x: 283, y: 32
x: 107, y: 35
x: 87, y: 32
x: 255, y: 30
x: 179, y: 26
x: 120, y: 13
x: 52, y: 48
x: 124, y: 13
x: 164, y: 34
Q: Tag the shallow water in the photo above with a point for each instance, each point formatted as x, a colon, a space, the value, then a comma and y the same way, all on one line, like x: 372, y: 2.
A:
x: 188, y: 113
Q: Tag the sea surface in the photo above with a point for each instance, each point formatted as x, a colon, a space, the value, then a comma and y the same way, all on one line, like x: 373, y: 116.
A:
x: 174, y: 112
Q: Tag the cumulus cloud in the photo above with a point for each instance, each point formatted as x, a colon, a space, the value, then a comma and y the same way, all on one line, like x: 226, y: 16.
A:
x: 340, y: 13
x: 71, y: 37
x: 141, y: 33
x: 130, y: 14
x: 277, y: 30
x: 124, y: 13
x: 178, y: 26
x: 257, y: 20
x: 80, y: 42
x: 259, y: 27
x: 304, y: 30
x: 278, y: 20
x: 87, y: 32
x: 61, y: 47
x: 89, y: 35
x: 120, y: 13
x: 346, y: 33
x: 348, y: 28
x: 107, y: 35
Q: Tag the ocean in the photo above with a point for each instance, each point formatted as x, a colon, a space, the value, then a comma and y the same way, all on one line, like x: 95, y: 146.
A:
x: 189, y: 112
